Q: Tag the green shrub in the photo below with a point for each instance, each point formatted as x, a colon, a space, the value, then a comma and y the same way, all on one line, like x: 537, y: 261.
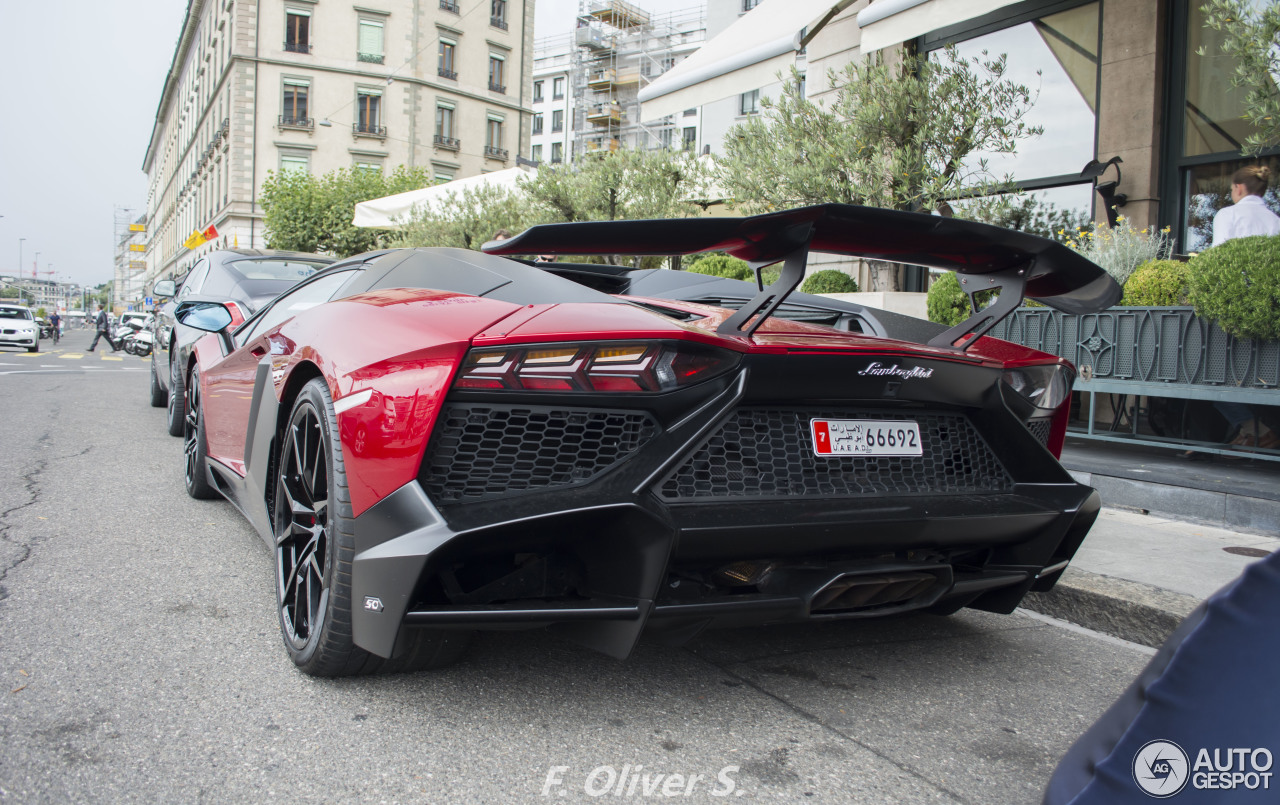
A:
x: 722, y: 265
x: 829, y: 280
x: 1237, y: 285
x: 1120, y: 249
x: 1157, y: 283
x: 948, y: 304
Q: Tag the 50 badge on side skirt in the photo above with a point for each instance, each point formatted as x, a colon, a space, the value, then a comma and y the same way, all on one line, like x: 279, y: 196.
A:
x: 865, y: 437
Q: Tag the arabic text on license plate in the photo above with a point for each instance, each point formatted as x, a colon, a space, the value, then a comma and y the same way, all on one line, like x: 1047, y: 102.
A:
x: 865, y: 437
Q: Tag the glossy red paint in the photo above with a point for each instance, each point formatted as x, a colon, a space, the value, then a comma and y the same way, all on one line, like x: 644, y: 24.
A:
x: 402, y: 344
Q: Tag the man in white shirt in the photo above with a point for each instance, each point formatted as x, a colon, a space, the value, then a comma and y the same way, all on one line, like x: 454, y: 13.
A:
x: 1248, y: 215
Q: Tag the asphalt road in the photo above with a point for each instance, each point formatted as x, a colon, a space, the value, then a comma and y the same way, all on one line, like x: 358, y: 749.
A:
x: 142, y: 662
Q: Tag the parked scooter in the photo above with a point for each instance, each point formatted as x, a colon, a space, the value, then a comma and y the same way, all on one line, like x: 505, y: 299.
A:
x: 135, y: 339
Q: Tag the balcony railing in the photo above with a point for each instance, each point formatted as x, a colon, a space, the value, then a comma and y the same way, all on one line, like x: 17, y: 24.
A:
x: 293, y: 122
x: 495, y: 153
x: 497, y: 88
x: 369, y: 58
x: 449, y: 5
x: 447, y: 142
x: 297, y: 47
x: 369, y: 129
x: 498, y: 22
x: 447, y: 73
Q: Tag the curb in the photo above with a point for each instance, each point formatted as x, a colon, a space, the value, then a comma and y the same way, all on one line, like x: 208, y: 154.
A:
x: 1128, y: 610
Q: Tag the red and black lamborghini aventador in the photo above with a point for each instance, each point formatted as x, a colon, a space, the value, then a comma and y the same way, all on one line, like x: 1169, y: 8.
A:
x: 437, y: 441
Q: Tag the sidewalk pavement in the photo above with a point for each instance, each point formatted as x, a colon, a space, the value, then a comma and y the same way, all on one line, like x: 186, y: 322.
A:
x: 1171, y: 533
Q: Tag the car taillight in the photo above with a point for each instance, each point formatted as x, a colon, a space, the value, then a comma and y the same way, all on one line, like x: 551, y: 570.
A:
x: 625, y: 368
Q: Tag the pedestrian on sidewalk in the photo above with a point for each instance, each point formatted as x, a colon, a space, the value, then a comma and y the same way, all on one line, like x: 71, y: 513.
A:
x: 103, y: 324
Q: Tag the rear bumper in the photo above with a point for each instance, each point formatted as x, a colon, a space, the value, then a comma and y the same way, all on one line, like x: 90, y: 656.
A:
x: 642, y: 565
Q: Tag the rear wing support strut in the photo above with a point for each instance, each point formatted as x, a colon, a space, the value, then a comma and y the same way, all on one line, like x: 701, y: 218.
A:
x: 751, y: 315
x: 1011, y: 283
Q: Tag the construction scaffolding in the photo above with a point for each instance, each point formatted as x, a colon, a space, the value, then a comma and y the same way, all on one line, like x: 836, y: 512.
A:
x: 620, y: 48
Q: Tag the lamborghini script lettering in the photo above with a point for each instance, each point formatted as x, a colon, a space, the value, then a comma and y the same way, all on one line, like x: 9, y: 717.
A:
x: 877, y: 368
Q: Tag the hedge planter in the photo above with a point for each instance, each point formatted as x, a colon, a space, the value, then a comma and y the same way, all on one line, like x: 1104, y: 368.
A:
x: 1166, y: 347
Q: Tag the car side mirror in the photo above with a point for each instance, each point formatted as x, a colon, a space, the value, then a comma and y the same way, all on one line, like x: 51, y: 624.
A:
x: 211, y: 317
x: 165, y: 289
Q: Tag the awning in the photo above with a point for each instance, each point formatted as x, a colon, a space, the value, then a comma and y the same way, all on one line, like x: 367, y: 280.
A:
x: 390, y: 212
x: 885, y: 23
x: 745, y: 56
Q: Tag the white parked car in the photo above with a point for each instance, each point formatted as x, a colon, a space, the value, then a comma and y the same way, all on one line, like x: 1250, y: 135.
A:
x: 18, y: 327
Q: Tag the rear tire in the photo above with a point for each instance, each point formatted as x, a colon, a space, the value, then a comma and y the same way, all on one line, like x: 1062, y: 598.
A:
x: 177, y: 398
x: 196, y: 466
x: 158, y: 395
x: 315, y: 546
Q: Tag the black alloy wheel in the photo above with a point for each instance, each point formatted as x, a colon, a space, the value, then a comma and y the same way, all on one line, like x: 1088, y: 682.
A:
x: 315, y: 548
x: 302, y: 529
x: 194, y: 445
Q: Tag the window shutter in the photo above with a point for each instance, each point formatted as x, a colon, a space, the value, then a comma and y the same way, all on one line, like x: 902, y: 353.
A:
x: 370, y: 38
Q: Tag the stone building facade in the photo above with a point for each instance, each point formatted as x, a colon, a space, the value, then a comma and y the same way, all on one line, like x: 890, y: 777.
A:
x: 274, y: 85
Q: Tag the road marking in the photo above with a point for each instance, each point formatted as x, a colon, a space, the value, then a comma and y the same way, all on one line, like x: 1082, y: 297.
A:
x: 111, y: 358
x: 72, y: 356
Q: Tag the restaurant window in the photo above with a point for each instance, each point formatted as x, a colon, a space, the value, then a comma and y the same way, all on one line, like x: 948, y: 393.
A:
x: 1056, y: 55
x: 1207, y: 133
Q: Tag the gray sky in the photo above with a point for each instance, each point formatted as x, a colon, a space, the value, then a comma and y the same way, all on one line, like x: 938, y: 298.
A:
x: 82, y: 80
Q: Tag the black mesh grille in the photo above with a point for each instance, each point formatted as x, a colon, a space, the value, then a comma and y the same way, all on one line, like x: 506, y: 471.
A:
x: 485, y: 451
x: 769, y: 453
x: 1040, y: 429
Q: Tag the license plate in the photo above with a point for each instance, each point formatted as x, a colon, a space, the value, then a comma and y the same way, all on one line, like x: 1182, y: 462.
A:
x: 865, y: 437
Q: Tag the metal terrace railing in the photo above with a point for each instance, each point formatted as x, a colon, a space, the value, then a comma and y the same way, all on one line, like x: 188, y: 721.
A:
x: 1152, y: 352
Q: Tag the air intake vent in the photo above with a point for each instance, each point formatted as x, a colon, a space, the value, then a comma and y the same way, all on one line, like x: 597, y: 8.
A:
x: 480, y: 452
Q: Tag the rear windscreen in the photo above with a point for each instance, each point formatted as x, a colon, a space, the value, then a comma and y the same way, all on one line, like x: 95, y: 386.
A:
x: 289, y: 270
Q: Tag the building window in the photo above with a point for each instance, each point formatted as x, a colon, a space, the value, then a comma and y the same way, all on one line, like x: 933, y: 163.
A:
x: 496, y: 64
x: 557, y: 89
x: 537, y: 124
x: 371, y: 167
x: 294, y: 111
x: 444, y: 127
x: 691, y: 112
x: 449, y: 5
x: 557, y: 120
x: 493, y: 139
x: 535, y: 153
x: 447, y: 52
x: 297, y: 31
x: 749, y: 103
x: 369, y: 113
x: 537, y: 92
x: 369, y: 45
x: 1057, y: 53
x: 557, y: 152
x: 691, y: 138
x: 747, y: 5
x: 1207, y: 134
x: 291, y: 163
x: 498, y: 14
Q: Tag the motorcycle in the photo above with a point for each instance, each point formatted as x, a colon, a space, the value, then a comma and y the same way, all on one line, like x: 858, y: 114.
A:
x: 135, y: 339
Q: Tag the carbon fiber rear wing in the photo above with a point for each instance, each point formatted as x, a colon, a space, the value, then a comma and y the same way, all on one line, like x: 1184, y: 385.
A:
x: 985, y: 257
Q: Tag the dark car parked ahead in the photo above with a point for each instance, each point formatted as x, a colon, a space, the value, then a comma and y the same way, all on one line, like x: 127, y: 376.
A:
x: 247, y: 278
